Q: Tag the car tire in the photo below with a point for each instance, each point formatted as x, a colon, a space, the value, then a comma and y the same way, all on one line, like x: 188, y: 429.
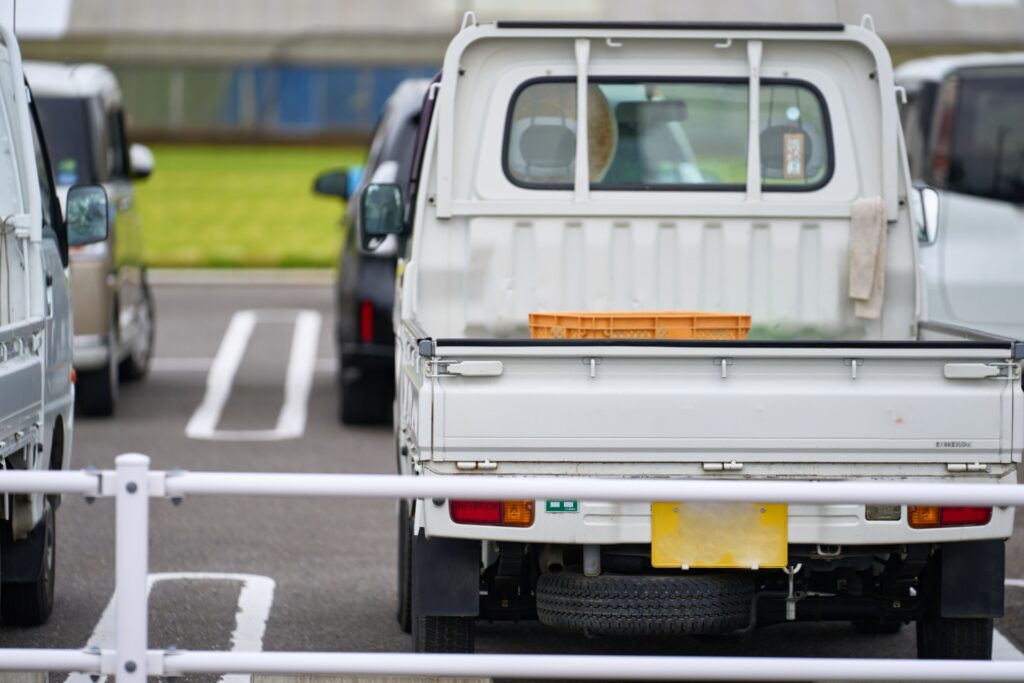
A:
x: 30, y: 603
x: 96, y: 390
x: 949, y: 638
x: 404, y: 567
x: 451, y: 635
x: 135, y: 366
x: 697, y: 604
x: 360, y: 402
x: 880, y: 628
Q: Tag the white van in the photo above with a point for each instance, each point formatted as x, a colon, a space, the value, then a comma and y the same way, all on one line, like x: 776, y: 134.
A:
x: 964, y: 123
x: 36, y: 374
x: 742, y: 169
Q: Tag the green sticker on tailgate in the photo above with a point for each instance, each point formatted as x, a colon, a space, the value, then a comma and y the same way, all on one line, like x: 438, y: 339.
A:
x: 562, y: 506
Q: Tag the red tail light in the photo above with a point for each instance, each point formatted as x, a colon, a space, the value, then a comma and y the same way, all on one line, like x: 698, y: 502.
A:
x: 966, y: 516
x: 475, y: 511
x: 366, y: 322
x: 493, y: 512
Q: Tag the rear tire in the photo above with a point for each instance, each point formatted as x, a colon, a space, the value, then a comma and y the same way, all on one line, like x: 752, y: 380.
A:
x: 135, y: 366
x: 96, y: 390
x: 362, y: 401
x: 444, y: 634
x: 404, y: 568
x: 946, y: 638
x: 30, y: 603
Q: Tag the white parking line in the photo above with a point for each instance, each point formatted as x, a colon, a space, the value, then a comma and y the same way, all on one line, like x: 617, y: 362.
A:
x: 254, y: 601
x: 302, y: 364
x: 184, y: 365
x: 222, y: 375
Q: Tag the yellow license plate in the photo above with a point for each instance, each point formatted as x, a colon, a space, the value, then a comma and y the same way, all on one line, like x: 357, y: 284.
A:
x: 718, y: 535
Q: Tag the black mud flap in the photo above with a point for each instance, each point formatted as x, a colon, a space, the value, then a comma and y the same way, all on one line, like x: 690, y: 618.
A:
x: 445, y: 577
x: 973, y: 575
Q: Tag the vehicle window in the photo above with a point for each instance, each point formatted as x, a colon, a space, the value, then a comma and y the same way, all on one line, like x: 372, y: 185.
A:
x: 53, y: 224
x: 987, y: 151
x: 65, y: 122
x: 667, y: 135
x: 404, y: 148
x: 117, y: 153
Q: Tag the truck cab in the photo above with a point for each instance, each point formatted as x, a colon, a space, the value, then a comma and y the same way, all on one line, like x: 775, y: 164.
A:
x: 36, y: 375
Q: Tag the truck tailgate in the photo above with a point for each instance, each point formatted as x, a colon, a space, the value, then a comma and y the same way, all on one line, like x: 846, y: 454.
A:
x: 904, y: 402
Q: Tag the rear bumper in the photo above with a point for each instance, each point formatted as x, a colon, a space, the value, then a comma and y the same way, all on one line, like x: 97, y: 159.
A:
x: 620, y: 523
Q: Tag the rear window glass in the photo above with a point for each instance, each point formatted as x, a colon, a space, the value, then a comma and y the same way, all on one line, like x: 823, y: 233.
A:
x: 667, y: 135
x: 65, y: 122
x: 987, y: 158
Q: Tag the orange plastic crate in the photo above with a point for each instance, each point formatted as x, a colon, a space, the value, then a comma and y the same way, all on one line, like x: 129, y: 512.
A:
x: 639, y: 325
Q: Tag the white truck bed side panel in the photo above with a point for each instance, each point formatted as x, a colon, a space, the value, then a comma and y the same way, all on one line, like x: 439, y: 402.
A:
x: 803, y: 410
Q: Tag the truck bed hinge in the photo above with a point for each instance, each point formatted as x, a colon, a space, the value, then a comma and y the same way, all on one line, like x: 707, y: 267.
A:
x: 732, y: 466
x: 470, y: 465
x: 965, y: 467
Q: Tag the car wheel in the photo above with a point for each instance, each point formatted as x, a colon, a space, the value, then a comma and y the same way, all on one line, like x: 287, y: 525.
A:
x: 30, y: 603
x: 404, y: 567
x: 136, y: 364
x: 96, y: 390
x: 948, y: 638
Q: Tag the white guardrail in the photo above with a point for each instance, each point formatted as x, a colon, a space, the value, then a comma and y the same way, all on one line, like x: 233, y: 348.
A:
x: 132, y: 484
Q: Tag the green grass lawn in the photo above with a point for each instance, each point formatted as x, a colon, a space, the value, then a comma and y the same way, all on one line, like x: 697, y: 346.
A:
x: 247, y: 207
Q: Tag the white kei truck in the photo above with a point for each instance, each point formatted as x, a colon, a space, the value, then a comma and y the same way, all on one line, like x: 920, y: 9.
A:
x: 754, y: 169
x: 36, y: 374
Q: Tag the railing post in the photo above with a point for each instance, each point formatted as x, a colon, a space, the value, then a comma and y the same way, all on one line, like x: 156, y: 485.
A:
x: 132, y: 566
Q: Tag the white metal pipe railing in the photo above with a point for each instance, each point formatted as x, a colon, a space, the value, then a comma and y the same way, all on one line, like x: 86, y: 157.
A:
x: 132, y: 484
x: 490, y: 487
x: 25, y: 660
x: 589, y: 667
x: 84, y: 482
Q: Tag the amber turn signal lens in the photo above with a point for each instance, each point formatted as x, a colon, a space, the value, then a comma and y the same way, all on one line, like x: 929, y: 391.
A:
x: 924, y: 516
x: 517, y: 512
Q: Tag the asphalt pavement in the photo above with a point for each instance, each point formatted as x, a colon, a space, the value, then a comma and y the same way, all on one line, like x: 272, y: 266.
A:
x: 313, y: 574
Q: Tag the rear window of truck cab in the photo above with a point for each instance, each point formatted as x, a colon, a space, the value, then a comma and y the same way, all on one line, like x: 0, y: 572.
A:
x: 667, y: 135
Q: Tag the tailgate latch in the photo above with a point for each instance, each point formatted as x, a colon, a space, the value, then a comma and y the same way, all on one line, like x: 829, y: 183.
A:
x: 981, y: 371
x: 464, y: 368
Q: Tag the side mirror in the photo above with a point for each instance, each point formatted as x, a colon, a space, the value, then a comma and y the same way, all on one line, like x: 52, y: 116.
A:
x: 333, y: 183
x: 380, y: 213
x: 142, y: 161
x: 88, y: 218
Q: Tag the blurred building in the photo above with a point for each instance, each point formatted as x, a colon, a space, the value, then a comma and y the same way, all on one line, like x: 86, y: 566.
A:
x: 316, y: 69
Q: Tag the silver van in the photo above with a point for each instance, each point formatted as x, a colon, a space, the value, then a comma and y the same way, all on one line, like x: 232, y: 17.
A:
x: 82, y: 113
